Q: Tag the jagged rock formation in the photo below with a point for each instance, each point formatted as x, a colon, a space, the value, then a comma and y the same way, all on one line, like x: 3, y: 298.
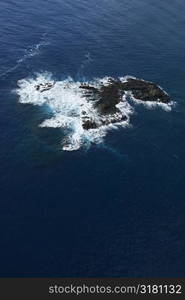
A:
x: 107, y: 97
x: 44, y: 87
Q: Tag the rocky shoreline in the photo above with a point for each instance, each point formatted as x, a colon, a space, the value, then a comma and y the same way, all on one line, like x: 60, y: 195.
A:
x: 107, y: 97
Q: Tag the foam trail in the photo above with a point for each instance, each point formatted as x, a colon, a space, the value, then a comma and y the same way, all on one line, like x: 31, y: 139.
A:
x: 33, y: 50
x: 29, y: 53
x: 87, y: 60
x: 114, y: 152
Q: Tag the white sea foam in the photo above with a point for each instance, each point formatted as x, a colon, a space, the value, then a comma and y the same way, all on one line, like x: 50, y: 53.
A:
x: 70, y: 106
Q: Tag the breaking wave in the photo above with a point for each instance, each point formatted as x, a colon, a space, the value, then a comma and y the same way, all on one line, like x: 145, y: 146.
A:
x: 69, y: 104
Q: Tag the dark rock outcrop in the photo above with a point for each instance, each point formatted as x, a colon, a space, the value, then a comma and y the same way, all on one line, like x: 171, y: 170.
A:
x: 89, y: 124
x: 110, y: 96
x: 44, y: 87
x: 106, y: 98
x: 145, y: 90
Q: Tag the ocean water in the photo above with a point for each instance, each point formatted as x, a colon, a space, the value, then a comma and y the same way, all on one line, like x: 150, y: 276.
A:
x: 114, y: 206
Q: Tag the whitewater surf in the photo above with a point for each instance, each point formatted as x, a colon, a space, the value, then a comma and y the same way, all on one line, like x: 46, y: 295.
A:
x: 70, y: 106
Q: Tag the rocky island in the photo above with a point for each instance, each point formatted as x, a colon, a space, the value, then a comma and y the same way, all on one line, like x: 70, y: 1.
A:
x: 86, y: 111
x: 107, y: 96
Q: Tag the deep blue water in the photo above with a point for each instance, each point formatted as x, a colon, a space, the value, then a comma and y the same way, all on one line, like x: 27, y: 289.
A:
x: 117, y: 209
